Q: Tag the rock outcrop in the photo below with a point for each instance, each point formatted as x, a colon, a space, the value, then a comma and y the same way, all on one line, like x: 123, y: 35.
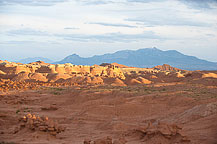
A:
x: 40, y: 71
x: 161, y: 133
x: 209, y: 75
x: 115, y: 64
x: 36, y: 123
x: 166, y: 67
x: 118, y: 82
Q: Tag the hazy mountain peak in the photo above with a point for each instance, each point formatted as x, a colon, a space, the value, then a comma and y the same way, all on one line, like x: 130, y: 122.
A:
x: 146, y: 57
x: 74, y: 55
x: 154, y: 48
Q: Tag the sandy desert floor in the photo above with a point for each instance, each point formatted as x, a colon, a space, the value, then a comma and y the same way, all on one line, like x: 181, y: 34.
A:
x: 178, y: 112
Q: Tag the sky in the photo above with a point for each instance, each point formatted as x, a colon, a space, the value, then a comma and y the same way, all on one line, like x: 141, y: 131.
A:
x: 55, y: 29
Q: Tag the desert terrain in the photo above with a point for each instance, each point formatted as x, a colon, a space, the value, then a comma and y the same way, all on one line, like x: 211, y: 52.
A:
x: 42, y: 103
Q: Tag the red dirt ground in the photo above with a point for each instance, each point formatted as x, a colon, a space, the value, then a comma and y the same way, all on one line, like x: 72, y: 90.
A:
x: 163, y: 113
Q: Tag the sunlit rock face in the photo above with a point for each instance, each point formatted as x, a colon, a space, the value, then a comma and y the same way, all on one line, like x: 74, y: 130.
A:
x: 45, y: 72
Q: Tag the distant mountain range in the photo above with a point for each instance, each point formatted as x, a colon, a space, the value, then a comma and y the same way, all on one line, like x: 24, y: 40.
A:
x: 147, y: 58
x: 34, y: 59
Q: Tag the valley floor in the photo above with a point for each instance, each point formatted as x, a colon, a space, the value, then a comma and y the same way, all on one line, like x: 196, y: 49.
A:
x: 119, y: 113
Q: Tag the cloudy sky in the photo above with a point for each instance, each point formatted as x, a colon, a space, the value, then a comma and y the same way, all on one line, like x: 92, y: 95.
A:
x: 58, y: 28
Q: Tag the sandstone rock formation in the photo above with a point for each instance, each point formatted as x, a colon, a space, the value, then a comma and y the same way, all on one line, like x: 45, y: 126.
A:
x: 38, y: 77
x: 30, y: 76
x: 211, y: 75
x: 143, y: 80
x: 36, y: 123
x: 166, y: 67
x: 44, y: 72
x: 133, y: 82
x: 179, y: 75
x: 118, y: 82
x: 115, y: 64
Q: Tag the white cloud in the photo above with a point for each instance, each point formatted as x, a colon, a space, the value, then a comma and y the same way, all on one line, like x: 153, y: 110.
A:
x: 109, y: 24
x: 31, y: 2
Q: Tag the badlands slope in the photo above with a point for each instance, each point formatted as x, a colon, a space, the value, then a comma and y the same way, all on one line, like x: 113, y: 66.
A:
x: 109, y: 104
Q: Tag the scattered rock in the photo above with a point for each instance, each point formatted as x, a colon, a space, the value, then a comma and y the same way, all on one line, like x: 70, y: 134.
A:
x: 161, y: 133
x: 37, y: 123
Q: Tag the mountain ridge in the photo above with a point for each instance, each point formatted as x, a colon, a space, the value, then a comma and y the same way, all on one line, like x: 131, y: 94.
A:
x: 146, y: 58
